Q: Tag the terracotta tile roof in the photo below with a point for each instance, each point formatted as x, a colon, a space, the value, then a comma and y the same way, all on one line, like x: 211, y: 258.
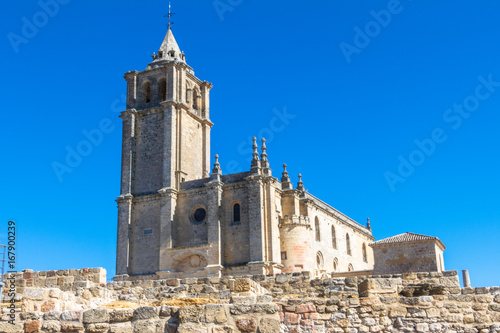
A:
x: 406, y: 237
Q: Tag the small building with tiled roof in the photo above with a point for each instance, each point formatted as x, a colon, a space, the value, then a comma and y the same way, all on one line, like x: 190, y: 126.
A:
x: 408, y: 252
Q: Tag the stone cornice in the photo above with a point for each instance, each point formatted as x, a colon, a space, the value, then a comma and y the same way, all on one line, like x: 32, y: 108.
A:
x: 125, y: 198
x: 168, y: 192
x: 127, y: 112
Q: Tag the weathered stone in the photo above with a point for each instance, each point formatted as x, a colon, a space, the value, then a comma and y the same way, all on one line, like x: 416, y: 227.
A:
x: 121, y: 315
x: 97, y: 328
x: 192, y: 329
x: 304, y: 308
x: 269, y: 308
x: 216, y: 313
x: 48, y: 306
x: 246, y: 325
x: 52, y: 315
x: 96, y: 316
x: 191, y: 314
x: 51, y: 326
x: 32, y: 326
x: 121, y: 328
x: 36, y: 294
x: 149, y: 326
x: 73, y: 326
x: 30, y: 315
x: 242, y: 285
x: 71, y: 315
x: 145, y: 312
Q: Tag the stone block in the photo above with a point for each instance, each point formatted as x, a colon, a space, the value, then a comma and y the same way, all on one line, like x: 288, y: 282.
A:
x: 96, y: 316
x: 172, y: 282
x: 269, y: 308
x: 216, y: 313
x: 191, y: 328
x: 191, y: 314
x: 247, y: 324
x: 121, y: 315
x: 242, y: 285
x: 30, y: 315
x: 121, y: 328
x: 73, y: 326
x: 32, y: 326
x: 146, y: 312
x: 305, y: 308
x: 51, y: 326
x: 149, y: 326
x: 36, y: 294
x: 48, y: 306
x: 97, y: 328
x: 52, y: 315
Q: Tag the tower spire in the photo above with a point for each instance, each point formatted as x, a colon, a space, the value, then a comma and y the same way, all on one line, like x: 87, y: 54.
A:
x: 169, y: 15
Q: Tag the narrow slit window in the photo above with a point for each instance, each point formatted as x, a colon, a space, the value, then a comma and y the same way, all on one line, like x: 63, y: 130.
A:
x: 236, y: 212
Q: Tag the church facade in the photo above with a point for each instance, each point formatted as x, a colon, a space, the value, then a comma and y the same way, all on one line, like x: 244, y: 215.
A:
x: 180, y: 216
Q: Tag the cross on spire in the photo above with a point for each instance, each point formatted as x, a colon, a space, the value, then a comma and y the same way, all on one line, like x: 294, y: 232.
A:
x: 169, y: 15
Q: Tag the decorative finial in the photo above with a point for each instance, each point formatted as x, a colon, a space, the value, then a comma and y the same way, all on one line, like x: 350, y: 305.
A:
x: 285, y: 179
x: 263, y: 156
x: 368, y: 226
x: 169, y: 15
x: 300, y: 183
x: 255, y: 155
x: 255, y: 149
x: 216, y: 170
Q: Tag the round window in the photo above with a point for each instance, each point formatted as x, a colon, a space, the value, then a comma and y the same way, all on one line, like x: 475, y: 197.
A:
x: 199, y: 215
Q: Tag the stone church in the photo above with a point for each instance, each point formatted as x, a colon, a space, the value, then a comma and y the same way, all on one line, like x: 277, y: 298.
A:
x: 178, y: 216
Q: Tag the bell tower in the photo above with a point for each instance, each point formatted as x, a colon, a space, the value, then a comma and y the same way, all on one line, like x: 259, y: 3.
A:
x: 165, y: 141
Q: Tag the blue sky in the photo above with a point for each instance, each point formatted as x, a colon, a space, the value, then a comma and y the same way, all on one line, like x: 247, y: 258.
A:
x: 389, y: 110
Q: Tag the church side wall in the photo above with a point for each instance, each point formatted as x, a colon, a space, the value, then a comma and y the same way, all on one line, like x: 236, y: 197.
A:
x: 236, y: 241
x: 339, y: 253
x: 148, y: 154
x: 186, y: 231
x: 145, y: 236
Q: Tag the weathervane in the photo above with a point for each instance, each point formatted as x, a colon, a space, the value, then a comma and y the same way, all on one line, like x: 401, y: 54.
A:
x: 169, y: 15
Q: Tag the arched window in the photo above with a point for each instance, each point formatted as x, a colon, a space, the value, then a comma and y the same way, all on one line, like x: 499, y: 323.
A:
x: 146, y: 92
x: 196, y: 104
x: 162, y: 90
x: 334, y: 238
x: 365, y: 257
x: 236, y: 212
x: 316, y: 228
x: 319, y: 260
x: 350, y: 268
x: 348, y: 244
x: 335, y: 264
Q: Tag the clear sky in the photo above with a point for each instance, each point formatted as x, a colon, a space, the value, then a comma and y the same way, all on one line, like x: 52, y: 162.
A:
x: 389, y: 109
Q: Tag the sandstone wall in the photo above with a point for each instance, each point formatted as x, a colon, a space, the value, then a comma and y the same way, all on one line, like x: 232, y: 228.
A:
x: 414, y: 302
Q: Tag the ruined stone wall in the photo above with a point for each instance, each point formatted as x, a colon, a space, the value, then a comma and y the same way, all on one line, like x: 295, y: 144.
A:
x: 414, y: 302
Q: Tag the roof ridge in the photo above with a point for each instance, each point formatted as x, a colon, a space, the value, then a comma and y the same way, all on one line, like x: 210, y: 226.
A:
x: 405, y: 237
